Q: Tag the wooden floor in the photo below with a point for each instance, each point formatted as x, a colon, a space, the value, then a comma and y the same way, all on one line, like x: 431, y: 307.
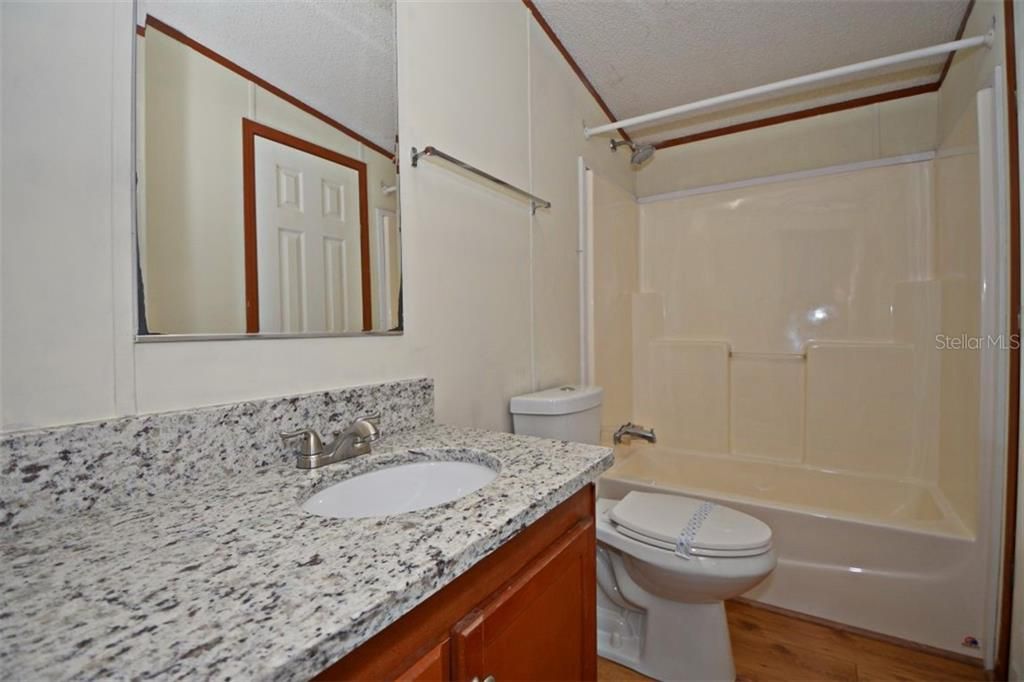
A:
x: 772, y: 647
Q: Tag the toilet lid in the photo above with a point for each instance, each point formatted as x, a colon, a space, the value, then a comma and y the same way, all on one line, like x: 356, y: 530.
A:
x: 658, y: 520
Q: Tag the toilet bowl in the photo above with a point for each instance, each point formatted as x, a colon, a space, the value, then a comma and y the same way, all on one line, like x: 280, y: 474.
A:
x: 665, y: 565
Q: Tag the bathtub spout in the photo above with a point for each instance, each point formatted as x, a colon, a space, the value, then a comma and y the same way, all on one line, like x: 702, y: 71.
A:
x: 634, y: 431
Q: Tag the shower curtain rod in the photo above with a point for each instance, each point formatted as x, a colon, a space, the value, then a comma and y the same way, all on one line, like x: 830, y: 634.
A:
x: 860, y: 67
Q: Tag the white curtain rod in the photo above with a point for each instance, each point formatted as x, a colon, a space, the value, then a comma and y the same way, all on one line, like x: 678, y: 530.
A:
x: 809, y: 79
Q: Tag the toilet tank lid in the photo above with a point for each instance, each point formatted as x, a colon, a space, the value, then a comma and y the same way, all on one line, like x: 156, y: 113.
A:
x: 558, y: 400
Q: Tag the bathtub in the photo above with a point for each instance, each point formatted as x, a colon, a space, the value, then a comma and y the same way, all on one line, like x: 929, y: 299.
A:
x: 881, y: 555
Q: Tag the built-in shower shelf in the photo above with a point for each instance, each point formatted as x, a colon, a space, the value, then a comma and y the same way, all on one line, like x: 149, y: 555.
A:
x: 781, y: 357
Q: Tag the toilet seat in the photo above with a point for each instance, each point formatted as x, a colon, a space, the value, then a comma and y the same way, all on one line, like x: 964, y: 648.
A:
x: 695, y: 551
x: 657, y: 520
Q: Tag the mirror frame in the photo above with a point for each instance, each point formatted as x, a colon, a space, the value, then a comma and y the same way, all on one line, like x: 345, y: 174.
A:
x: 248, y: 140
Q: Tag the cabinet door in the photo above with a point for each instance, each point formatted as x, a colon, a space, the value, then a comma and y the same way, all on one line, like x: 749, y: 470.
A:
x: 433, y: 667
x: 541, y: 625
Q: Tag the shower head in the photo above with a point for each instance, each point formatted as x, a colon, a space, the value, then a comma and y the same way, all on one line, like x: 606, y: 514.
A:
x: 641, y: 152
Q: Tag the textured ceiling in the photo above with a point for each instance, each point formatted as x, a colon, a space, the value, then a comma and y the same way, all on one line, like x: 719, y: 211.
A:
x: 336, y: 56
x: 646, y: 55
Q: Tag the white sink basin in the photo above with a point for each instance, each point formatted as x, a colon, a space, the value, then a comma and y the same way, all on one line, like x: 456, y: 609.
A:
x: 400, y: 488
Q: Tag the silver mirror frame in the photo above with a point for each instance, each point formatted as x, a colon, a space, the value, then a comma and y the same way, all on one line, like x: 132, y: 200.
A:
x: 136, y: 283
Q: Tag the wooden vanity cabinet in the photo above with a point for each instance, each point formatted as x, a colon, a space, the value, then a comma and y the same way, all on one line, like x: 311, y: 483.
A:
x: 528, y: 611
x: 540, y: 626
x: 434, y: 667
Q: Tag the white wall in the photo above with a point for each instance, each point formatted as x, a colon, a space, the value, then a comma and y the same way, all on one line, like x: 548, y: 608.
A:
x: 558, y: 106
x: 616, y: 241
x: 491, y: 294
x: 58, y: 172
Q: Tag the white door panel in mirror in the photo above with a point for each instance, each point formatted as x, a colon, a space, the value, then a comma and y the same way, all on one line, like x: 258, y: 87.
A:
x: 307, y: 242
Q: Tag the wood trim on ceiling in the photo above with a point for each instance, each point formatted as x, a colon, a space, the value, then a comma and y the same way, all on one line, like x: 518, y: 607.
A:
x: 1003, y: 635
x: 250, y: 131
x: 762, y: 122
x: 959, y: 35
x: 535, y: 11
x: 171, y: 32
x: 797, y: 115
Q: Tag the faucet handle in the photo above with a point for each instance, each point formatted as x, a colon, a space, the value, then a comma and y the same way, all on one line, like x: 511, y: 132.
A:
x: 311, y: 443
x: 367, y: 428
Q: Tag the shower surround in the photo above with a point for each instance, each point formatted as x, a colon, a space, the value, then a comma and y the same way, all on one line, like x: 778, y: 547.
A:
x: 796, y: 322
x: 792, y: 342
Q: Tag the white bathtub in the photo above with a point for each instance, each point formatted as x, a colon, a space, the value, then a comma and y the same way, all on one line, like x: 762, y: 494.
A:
x: 882, y: 555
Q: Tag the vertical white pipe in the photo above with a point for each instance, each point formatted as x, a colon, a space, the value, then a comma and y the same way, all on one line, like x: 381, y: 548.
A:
x: 591, y: 330
x: 534, y: 382
x: 583, y: 210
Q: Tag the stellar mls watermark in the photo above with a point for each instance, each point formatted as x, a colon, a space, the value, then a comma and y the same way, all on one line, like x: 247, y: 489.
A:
x: 969, y: 342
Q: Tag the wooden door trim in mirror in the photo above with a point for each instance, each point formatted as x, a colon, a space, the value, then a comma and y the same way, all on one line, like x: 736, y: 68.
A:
x: 250, y: 131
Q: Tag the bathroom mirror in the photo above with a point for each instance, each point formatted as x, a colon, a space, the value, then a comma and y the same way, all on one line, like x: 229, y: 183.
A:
x: 267, y: 192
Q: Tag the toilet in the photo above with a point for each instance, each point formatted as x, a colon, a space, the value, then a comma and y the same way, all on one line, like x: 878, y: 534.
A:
x: 665, y: 563
x: 570, y: 413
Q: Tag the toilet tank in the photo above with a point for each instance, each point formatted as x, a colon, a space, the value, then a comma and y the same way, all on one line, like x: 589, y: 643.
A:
x: 564, y: 413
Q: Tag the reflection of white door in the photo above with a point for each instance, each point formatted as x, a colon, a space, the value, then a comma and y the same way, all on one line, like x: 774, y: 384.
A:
x: 307, y: 241
x: 387, y: 266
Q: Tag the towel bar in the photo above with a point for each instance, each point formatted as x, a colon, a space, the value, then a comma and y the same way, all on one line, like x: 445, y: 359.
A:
x: 535, y: 201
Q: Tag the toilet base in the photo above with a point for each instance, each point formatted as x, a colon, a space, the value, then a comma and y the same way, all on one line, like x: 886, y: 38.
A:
x: 668, y: 640
x: 619, y: 633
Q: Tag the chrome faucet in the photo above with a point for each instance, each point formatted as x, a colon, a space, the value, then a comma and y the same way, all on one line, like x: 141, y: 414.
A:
x: 634, y: 431
x: 352, y: 442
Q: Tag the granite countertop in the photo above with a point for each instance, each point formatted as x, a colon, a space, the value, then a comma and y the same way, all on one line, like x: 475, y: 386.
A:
x: 229, y: 578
